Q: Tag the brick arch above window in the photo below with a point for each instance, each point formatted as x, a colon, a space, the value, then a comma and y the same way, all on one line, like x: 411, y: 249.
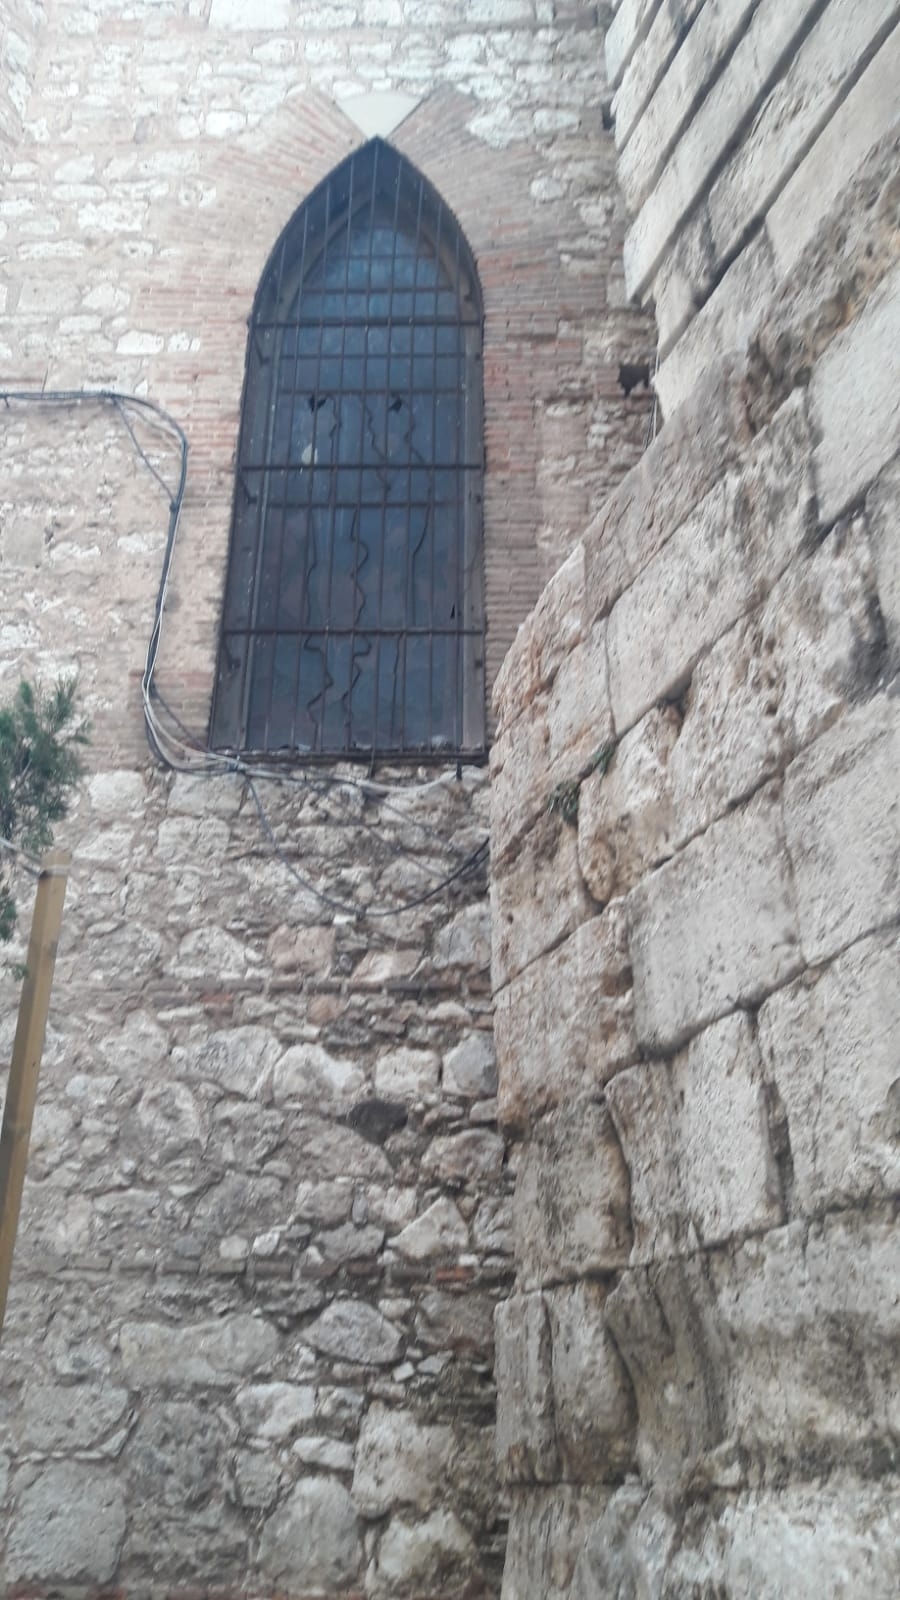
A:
x: 353, y: 617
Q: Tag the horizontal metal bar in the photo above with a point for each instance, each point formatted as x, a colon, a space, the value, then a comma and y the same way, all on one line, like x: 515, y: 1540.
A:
x: 331, y: 631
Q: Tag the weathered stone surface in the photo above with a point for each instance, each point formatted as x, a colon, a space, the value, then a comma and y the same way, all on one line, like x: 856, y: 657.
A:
x: 62, y: 1417
x: 308, y: 1072
x: 715, y: 927
x: 312, y: 1541
x: 439, y: 1231
x: 274, y: 1410
x: 543, y: 876
x: 520, y: 782
x: 419, y: 1557
x: 400, y: 1461
x: 751, y: 1544
x: 696, y: 1141
x: 579, y: 714
x: 855, y: 404
x: 240, y: 1060
x: 567, y: 1023
x: 407, y: 1073
x: 351, y: 1330
x: 725, y: 324
x: 696, y: 57
x: 883, y: 515
x: 592, y: 1395
x: 842, y: 817
x: 785, y: 1345
x: 543, y: 642
x: 702, y: 439
x: 808, y: 91
x: 526, y: 1442
x: 213, y: 1353
x: 777, y: 679
x: 830, y: 1051
x: 170, y: 1120
x: 625, y: 814
x: 774, y: 27
x: 572, y: 1197
x: 465, y: 1158
x: 470, y: 1068
x: 723, y: 559
x: 865, y: 116
x: 546, y: 1532
x: 69, y: 1526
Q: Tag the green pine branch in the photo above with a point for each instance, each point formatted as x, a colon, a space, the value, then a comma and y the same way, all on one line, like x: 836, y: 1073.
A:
x: 41, y: 738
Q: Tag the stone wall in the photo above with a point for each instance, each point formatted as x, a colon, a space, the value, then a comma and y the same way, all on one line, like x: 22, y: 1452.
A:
x: 20, y: 31
x: 695, y: 849
x: 249, y: 1345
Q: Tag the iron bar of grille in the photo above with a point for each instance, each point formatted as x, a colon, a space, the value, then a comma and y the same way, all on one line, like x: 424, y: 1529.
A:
x: 358, y: 457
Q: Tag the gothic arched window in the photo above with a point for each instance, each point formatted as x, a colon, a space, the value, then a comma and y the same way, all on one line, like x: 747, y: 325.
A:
x: 353, y: 621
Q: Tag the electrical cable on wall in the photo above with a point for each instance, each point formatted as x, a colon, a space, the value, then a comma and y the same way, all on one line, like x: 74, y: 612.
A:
x: 185, y: 752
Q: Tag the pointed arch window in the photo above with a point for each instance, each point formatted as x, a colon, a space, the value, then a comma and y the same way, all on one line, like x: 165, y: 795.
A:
x: 353, y: 620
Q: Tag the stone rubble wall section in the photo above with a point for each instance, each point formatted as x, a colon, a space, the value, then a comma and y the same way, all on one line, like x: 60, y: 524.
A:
x: 696, y: 933
x: 737, y: 122
x: 268, y: 1216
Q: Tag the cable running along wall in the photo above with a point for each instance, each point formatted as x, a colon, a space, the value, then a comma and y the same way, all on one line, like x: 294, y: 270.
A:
x: 353, y: 622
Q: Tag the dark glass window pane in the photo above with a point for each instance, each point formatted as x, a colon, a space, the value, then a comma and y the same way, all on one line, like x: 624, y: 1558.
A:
x: 356, y: 554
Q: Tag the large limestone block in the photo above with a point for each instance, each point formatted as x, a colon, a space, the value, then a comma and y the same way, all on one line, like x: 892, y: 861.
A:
x: 786, y: 1347
x: 525, y: 1440
x: 696, y: 1140
x: 774, y: 26
x: 714, y: 928
x: 831, y: 1050
x: 624, y: 34
x: 625, y: 814
x: 811, y: 1323
x: 400, y: 1461
x: 547, y: 1528
x: 566, y: 1024
x: 807, y: 93
x: 856, y: 403
x: 311, y: 1543
x: 806, y: 1540
x: 870, y: 111
x: 544, y: 640
x: 571, y: 1212
x: 713, y: 569
x: 579, y: 715
x: 842, y: 815
x: 695, y: 63
x: 537, y: 898
x: 593, y: 1400
x: 653, y: 62
x: 777, y: 679
x: 701, y: 440
x: 69, y: 1526
x: 520, y: 781
x: 726, y: 322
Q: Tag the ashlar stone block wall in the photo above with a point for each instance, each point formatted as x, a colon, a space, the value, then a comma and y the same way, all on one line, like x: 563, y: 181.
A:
x: 695, y: 853
x: 250, y: 1342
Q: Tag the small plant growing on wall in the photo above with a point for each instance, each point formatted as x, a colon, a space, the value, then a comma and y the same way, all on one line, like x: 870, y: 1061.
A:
x: 41, y: 738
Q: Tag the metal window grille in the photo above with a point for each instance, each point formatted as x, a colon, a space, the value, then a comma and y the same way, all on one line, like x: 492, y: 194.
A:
x: 353, y: 621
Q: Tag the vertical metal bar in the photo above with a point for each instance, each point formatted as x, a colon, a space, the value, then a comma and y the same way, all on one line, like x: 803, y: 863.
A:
x: 434, y: 447
x: 28, y: 1046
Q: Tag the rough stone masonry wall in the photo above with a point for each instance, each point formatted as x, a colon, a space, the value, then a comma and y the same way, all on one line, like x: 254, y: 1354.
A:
x: 249, y: 1344
x: 696, y: 860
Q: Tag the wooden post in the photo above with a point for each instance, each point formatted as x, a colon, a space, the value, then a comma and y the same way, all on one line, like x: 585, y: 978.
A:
x: 21, y: 1091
